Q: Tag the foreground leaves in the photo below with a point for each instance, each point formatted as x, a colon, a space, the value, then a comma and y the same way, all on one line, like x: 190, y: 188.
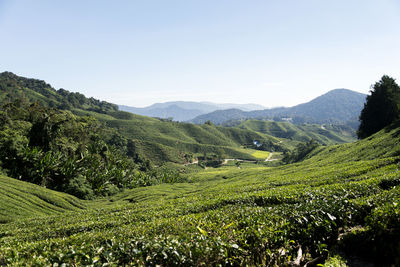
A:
x: 261, y: 216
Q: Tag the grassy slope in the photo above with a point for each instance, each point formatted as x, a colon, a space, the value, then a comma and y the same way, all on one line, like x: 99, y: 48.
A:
x: 21, y: 199
x: 169, y: 141
x: 326, y: 136
x: 256, y: 215
x: 383, y: 144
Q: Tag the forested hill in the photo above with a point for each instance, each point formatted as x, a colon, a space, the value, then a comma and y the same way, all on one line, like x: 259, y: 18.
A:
x: 14, y: 87
x: 336, y: 106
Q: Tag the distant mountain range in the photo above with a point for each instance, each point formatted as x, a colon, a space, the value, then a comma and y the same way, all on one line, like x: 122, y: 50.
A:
x: 336, y: 106
x: 186, y: 110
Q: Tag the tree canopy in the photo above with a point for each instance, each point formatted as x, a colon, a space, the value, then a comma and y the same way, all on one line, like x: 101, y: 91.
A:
x: 381, y: 108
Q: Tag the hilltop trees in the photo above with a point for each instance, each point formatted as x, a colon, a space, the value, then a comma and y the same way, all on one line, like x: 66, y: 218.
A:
x: 14, y: 88
x: 381, y: 108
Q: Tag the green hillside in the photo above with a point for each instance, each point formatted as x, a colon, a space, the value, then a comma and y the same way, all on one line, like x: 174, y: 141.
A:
x: 383, y: 144
x: 157, y: 140
x: 21, y: 199
x: 324, y: 134
x: 13, y: 87
x: 161, y: 140
x: 342, y: 201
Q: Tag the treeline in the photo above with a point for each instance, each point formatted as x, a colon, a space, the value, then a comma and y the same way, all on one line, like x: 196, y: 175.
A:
x: 72, y: 154
x: 382, y: 107
x: 13, y: 87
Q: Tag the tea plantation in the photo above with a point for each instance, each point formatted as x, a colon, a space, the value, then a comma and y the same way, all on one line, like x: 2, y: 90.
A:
x: 339, y: 204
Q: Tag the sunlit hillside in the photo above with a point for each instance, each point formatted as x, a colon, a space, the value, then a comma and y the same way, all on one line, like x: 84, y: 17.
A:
x: 338, y: 201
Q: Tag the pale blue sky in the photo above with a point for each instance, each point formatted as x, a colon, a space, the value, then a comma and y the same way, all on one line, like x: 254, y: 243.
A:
x: 136, y: 53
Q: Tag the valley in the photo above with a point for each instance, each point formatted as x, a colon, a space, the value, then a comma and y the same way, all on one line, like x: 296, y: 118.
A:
x: 199, y: 133
x: 255, y: 215
x: 83, y: 183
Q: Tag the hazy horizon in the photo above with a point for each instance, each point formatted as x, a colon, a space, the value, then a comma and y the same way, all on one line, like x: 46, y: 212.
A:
x: 226, y: 103
x: 138, y: 53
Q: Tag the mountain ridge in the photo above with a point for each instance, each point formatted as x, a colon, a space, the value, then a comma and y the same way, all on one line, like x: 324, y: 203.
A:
x: 185, y: 110
x: 337, y: 105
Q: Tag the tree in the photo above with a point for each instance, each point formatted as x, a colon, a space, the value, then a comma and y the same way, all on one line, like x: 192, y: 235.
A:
x: 381, y: 108
x: 237, y: 163
x: 189, y: 157
x: 301, y: 151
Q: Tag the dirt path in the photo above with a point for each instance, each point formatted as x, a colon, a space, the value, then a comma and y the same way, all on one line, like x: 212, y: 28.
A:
x: 190, y: 163
x: 241, y: 160
x: 225, y: 161
x: 269, y: 157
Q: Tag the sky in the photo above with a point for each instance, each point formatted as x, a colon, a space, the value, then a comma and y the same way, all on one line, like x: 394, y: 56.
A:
x: 136, y: 53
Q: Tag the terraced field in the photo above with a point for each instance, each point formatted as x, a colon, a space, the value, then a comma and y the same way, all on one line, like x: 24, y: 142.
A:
x: 157, y: 140
x: 261, y: 154
x: 166, y: 141
x: 19, y: 200
x: 324, y: 134
x: 344, y: 200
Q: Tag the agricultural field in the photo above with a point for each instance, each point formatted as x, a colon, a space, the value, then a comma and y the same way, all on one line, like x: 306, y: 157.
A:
x: 163, y: 141
x: 339, y: 204
x: 260, y: 154
x: 325, y: 134
x: 227, y: 144
x: 166, y: 141
x: 19, y: 200
x: 157, y: 140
